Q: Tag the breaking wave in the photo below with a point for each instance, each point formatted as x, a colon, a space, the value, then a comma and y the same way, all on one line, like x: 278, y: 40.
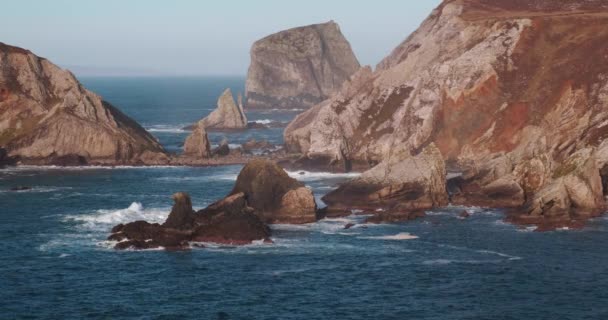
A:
x: 316, y: 176
x: 103, y: 220
x: 399, y: 236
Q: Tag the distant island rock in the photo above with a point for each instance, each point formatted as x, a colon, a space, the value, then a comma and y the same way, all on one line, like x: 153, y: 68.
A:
x: 48, y: 117
x: 512, y: 94
x: 228, y: 114
x: 299, y: 67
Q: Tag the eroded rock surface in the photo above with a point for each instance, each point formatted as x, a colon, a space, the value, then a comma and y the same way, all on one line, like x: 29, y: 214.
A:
x: 275, y: 196
x: 197, y: 144
x: 510, y: 92
x: 228, y: 114
x: 47, y: 115
x: 299, y: 67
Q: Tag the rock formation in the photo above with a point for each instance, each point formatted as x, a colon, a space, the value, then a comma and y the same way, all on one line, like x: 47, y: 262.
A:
x: 263, y: 193
x: 229, y: 221
x: 46, y: 115
x: 514, y: 94
x: 228, y: 115
x: 197, y: 144
x: 298, y: 68
x: 276, y: 197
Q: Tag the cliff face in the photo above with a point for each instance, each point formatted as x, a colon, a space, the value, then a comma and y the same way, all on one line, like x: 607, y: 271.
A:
x: 514, y: 94
x: 298, y: 68
x: 46, y: 114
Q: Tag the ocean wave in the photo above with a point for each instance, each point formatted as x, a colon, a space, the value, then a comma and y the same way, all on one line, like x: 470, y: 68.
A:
x: 316, y: 176
x: 37, y: 190
x: 399, y: 236
x: 450, y: 261
x: 167, y: 128
x: 103, y: 220
x: 217, y: 177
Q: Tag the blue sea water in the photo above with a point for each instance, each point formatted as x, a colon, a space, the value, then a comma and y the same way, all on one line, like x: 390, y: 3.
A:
x: 56, y: 264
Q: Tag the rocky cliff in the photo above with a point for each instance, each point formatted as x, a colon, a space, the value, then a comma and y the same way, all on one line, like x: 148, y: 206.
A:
x: 48, y: 117
x: 298, y: 68
x: 514, y: 94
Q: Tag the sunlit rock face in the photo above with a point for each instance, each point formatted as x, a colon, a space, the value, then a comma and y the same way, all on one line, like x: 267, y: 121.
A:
x: 508, y: 91
x: 299, y: 67
x: 47, y: 116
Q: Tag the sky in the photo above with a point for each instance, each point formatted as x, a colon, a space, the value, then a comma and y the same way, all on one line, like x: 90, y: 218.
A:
x: 193, y: 37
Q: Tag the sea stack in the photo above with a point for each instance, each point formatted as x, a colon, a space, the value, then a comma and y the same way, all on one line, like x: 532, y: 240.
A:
x: 48, y: 117
x: 197, y: 144
x: 228, y: 115
x: 513, y: 94
x: 299, y: 67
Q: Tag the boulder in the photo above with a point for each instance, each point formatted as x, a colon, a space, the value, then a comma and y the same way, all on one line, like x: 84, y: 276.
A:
x: 275, y: 197
x: 252, y: 145
x: 228, y: 115
x: 197, y: 144
x: 299, y: 67
x: 48, y: 115
x: 413, y: 183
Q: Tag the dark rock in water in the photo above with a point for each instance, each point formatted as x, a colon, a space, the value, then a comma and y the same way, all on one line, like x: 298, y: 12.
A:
x: 222, y: 150
x: 275, y: 197
x: 182, y: 216
x: 144, y: 235
x: 190, y: 127
x: 20, y: 188
x: 348, y: 226
x: 464, y: 214
x: 230, y: 221
x: 301, y: 173
x: 333, y: 212
x: 253, y: 144
x: 3, y: 157
x: 395, y: 216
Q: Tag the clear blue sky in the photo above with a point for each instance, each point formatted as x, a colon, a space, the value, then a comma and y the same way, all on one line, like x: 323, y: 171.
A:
x: 194, y: 37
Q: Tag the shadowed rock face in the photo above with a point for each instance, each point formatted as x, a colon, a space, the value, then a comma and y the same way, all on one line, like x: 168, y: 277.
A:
x: 508, y: 91
x: 46, y: 114
x: 298, y: 68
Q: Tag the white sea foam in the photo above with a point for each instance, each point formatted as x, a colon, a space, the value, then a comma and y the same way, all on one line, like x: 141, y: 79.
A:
x: 449, y: 261
x: 101, y: 220
x: 167, y: 128
x: 264, y: 121
x: 316, y: 176
x: 399, y: 236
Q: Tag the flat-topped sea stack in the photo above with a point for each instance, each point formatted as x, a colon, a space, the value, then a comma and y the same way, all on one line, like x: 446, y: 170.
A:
x: 48, y: 117
x: 299, y: 67
x: 513, y: 94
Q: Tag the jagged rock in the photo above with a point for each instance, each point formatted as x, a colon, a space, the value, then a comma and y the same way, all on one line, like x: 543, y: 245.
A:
x: 413, y: 183
x: 275, y: 197
x: 182, y: 216
x: 230, y: 221
x: 46, y: 114
x: 299, y: 67
x: 222, y: 150
x: 197, y: 144
x: 506, y: 94
x: 227, y: 115
x: 253, y: 144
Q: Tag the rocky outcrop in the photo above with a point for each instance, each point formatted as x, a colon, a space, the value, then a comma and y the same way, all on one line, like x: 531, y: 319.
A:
x: 229, y: 221
x: 228, y: 115
x: 275, y: 197
x: 510, y: 92
x: 197, y: 144
x: 412, y: 183
x: 46, y: 114
x: 298, y: 68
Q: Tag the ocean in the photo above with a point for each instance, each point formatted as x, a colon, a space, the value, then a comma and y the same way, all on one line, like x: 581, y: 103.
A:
x: 56, y: 263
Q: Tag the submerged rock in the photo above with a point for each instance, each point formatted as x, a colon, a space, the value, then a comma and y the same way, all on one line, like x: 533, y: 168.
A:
x: 227, y: 115
x: 299, y: 67
x: 48, y: 115
x: 276, y: 197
